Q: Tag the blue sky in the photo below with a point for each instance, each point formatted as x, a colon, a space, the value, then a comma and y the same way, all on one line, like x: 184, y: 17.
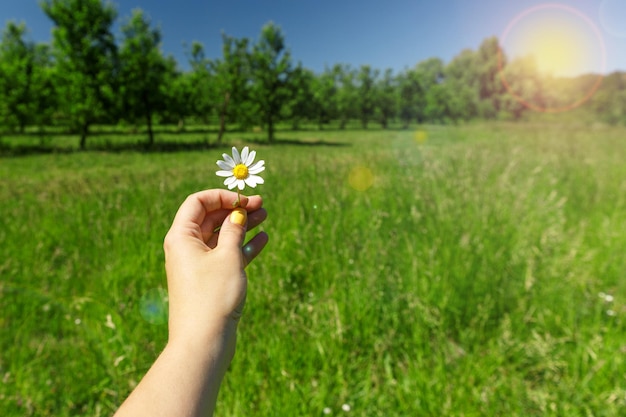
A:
x: 383, y: 33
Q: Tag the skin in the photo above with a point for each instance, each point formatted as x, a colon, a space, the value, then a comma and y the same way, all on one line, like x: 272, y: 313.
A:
x: 207, y: 291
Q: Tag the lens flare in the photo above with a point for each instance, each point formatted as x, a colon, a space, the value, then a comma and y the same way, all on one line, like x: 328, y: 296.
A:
x: 613, y: 17
x: 153, y: 306
x: 361, y: 178
x: 560, y: 42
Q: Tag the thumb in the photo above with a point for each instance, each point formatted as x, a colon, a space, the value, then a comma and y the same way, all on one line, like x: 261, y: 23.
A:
x: 233, y: 230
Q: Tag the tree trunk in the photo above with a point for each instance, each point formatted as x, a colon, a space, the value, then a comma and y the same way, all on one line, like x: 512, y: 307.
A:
x: 150, y: 132
x: 270, y: 129
x: 84, y: 130
x: 220, y: 134
x: 146, y: 103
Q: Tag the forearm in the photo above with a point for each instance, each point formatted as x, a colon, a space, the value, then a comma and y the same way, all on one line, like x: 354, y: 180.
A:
x: 184, y: 380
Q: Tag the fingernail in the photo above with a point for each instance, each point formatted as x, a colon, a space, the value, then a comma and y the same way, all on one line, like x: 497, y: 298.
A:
x: 239, y: 216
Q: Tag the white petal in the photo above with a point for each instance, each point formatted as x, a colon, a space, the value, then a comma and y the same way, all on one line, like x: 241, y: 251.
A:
x: 231, y: 186
x: 244, y: 154
x: 250, y: 182
x: 250, y: 158
x: 230, y: 180
x: 236, y: 156
x: 224, y: 173
x: 241, y: 184
x: 225, y: 165
x: 228, y: 159
x: 255, y: 179
x: 258, y: 167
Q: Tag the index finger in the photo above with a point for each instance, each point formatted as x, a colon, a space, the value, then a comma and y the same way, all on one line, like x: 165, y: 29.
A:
x: 196, y: 207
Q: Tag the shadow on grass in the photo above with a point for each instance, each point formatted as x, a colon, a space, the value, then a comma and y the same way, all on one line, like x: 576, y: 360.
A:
x: 25, y: 150
x: 159, y: 146
x: 117, y: 131
x: 9, y: 150
x: 297, y: 142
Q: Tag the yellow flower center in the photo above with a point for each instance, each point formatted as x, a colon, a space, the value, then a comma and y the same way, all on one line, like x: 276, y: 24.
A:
x: 240, y: 171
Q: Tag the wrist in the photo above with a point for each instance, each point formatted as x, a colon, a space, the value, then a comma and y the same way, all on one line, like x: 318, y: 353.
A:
x: 216, y: 340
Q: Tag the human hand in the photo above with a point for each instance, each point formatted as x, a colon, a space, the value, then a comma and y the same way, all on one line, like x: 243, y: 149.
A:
x: 205, y: 268
x: 207, y: 290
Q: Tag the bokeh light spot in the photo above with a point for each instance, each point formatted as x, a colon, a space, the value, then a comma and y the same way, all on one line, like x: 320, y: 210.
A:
x: 421, y: 136
x: 360, y: 178
x: 153, y: 306
x: 561, y: 42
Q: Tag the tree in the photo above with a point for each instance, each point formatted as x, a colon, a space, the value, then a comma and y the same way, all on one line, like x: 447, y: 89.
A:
x: 524, y: 88
x: 324, y: 98
x: 177, y: 89
x: 347, y: 95
x: 410, y: 97
x: 300, y: 105
x: 271, y: 69
x: 232, y: 83
x: 487, y: 74
x: 430, y: 72
x: 86, y: 57
x: 202, y: 96
x: 25, y: 83
x: 437, y: 107
x: 431, y: 75
x: 462, y: 77
x: 609, y: 102
x: 385, y: 98
x: 142, y: 70
x: 366, y: 78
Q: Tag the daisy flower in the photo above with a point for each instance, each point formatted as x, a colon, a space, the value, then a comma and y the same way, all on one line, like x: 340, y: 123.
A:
x: 239, y: 170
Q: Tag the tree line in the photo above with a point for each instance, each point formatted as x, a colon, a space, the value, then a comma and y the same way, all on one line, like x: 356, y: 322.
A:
x: 87, y: 76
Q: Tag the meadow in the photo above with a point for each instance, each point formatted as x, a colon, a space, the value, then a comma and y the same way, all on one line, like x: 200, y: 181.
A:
x: 472, y: 270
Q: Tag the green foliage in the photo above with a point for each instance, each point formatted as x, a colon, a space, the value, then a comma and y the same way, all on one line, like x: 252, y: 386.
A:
x: 85, y: 56
x: 26, y: 90
x: 465, y: 275
x: 179, y: 94
x: 142, y: 72
x: 410, y: 98
x: 347, y: 95
x: 82, y: 80
x: 271, y: 69
x: 386, y: 98
x: 366, y: 79
x: 233, y: 76
x: 610, y: 101
x: 203, y: 94
x: 324, y: 98
x: 301, y: 103
x: 490, y: 88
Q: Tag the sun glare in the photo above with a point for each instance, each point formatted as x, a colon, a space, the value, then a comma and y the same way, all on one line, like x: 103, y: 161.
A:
x: 558, y: 42
x: 562, y: 41
x: 555, y: 52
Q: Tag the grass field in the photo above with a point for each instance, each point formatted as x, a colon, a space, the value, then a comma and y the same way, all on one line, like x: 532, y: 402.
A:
x: 459, y: 271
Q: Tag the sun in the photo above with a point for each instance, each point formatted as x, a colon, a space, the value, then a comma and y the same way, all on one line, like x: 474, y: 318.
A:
x: 555, y: 52
x: 552, y: 42
x: 562, y: 41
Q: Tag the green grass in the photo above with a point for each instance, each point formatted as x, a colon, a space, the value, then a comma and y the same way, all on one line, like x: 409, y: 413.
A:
x: 461, y: 277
